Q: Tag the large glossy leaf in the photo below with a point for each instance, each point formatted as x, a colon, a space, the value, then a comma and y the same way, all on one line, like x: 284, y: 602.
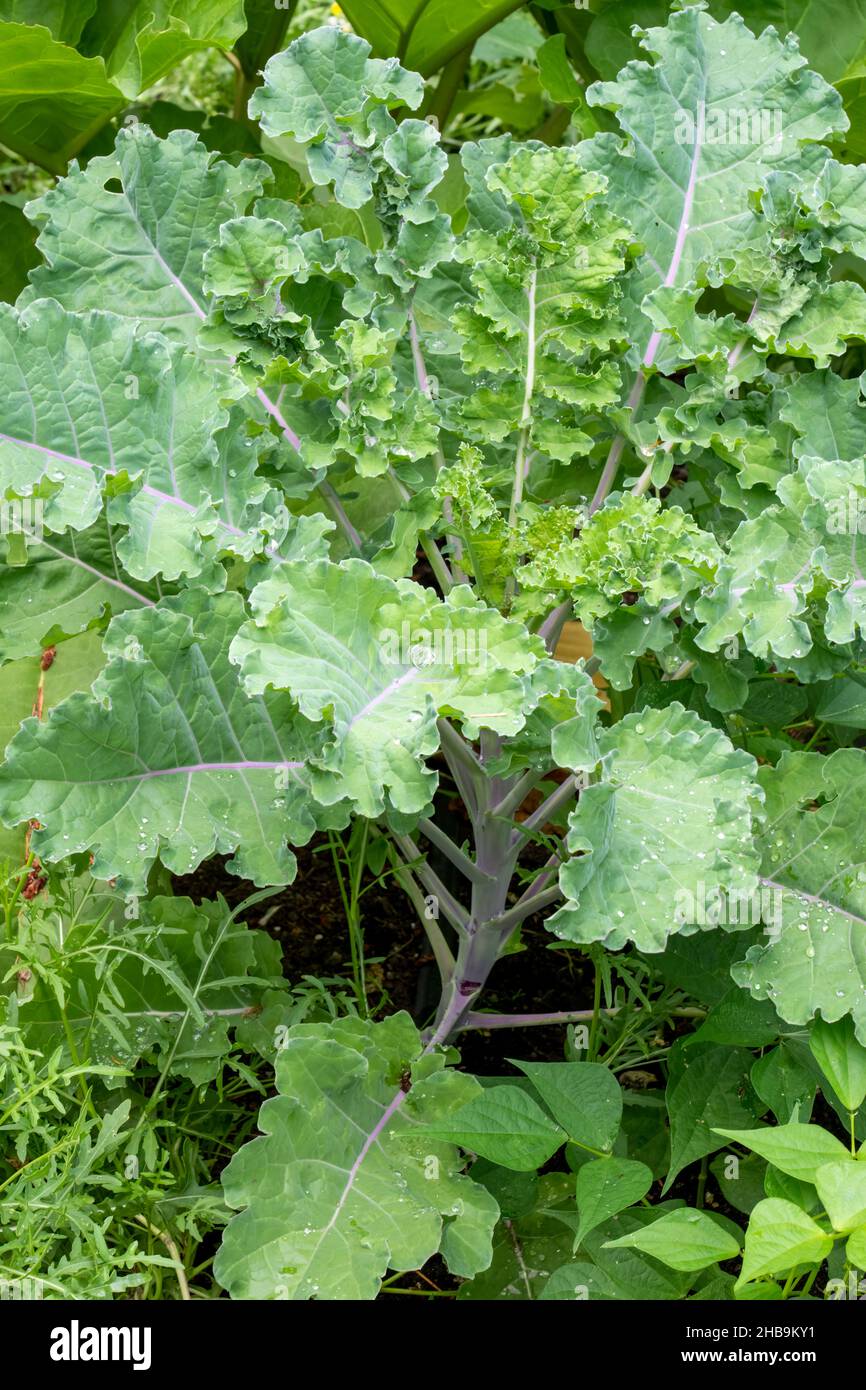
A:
x: 55, y: 97
x: 346, y: 1181
x: 424, y: 34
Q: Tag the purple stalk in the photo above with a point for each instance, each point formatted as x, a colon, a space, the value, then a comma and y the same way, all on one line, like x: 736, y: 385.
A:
x: 482, y: 1020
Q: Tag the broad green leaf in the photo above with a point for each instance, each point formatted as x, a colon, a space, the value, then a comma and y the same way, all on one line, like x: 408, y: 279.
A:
x: 172, y: 199
x: 52, y: 99
x: 505, y: 1125
x: 841, y: 1058
x: 671, y: 783
x: 683, y: 172
x: 621, y: 1274
x: 556, y: 73
x: 800, y: 1150
x: 67, y: 584
x: 741, y: 1180
x: 706, y: 1085
x: 779, y: 1184
x: 684, y: 1239
x: 93, y: 404
x: 606, y: 1186
x: 526, y: 1248
x: 377, y: 661
x: 784, y: 1083
x: 737, y: 1019
x: 142, y: 41
x: 209, y: 769
x: 583, y: 1097
x: 781, y: 1237
x: 813, y: 864
x: 346, y: 1180
x: 855, y: 1249
x: 842, y: 1189
x: 20, y: 251
x: 426, y: 36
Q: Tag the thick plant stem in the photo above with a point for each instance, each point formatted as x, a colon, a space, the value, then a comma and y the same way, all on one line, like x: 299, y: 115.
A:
x: 484, y: 938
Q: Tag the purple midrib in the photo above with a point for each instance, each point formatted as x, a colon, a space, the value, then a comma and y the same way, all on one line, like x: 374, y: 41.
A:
x: 188, y: 768
x: 76, y: 462
x: 682, y: 229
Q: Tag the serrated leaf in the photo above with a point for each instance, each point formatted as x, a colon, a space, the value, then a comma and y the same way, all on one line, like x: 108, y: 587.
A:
x: 679, y: 176
x: 172, y: 199
x: 672, y: 782
x: 813, y: 864
x: 95, y: 405
x: 209, y: 769
x: 347, y: 1180
x: 377, y: 661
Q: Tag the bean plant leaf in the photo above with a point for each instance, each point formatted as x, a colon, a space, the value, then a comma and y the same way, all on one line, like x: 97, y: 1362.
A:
x: 583, y: 1097
x: 799, y: 1150
x: 780, y: 1237
x: 346, y: 1180
x: 606, y: 1186
x: 684, y: 1239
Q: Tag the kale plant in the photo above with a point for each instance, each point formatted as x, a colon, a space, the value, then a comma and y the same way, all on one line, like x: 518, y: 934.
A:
x: 603, y: 382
